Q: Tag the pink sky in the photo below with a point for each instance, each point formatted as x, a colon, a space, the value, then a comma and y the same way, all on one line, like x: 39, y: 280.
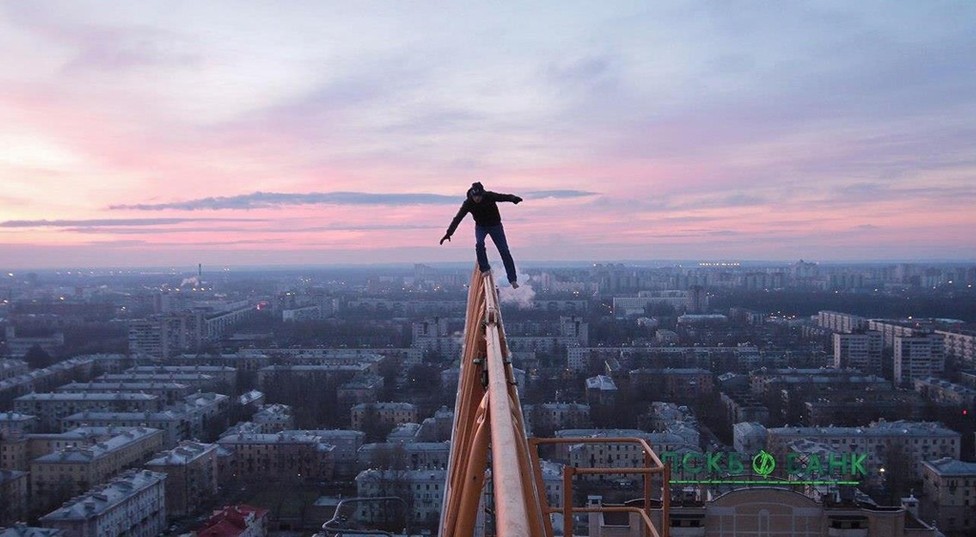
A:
x: 166, y: 134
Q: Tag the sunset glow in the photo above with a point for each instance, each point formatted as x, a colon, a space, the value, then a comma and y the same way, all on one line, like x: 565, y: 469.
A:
x: 235, y: 133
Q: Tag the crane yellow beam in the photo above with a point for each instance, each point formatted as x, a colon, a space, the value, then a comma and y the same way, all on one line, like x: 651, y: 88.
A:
x: 488, y: 420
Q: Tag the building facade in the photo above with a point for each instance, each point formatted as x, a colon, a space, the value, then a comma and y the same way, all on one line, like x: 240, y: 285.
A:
x: 191, y: 476
x: 133, y: 505
x: 950, y: 495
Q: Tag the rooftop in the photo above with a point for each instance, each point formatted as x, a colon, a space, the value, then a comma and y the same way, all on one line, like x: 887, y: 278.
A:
x: 103, y: 497
x: 947, y: 466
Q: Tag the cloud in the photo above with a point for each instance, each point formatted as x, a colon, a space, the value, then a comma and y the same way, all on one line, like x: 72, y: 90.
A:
x: 237, y: 230
x: 559, y: 194
x: 114, y: 222
x: 264, y: 200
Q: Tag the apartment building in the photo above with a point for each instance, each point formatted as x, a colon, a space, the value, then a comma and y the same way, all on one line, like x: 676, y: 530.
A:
x: 890, y: 329
x: 761, y: 511
x: 944, y: 392
x: 860, y: 351
x: 555, y: 416
x: 223, y: 374
x: 196, y: 381
x: 674, y: 382
x: 601, y: 390
x: 10, y: 368
x: 286, y: 455
x: 289, y: 374
x: 50, y: 408
x: 362, y: 389
x: 918, y: 356
x: 169, y: 392
x: 17, y: 452
x: 950, y: 495
x: 387, y: 414
x: 409, y: 455
x: 274, y: 418
x: 960, y: 346
x: 914, y: 442
x: 346, y: 443
x: 175, y: 425
x: 423, y: 491
x: 132, y: 505
x: 23, y: 530
x: 13, y: 492
x: 70, y: 471
x: 844, y: 323
x: 191, y: 470
x: 14, y: 424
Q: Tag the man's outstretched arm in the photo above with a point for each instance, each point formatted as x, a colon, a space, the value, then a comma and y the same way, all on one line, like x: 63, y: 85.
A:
x: 455, y: 223
x: 507, y: 197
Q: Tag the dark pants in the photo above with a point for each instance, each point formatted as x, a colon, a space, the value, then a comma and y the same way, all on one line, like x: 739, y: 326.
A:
x: 497, y: 234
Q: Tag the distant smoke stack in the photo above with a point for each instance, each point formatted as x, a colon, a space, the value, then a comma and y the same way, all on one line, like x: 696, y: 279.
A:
x: 200, y: 270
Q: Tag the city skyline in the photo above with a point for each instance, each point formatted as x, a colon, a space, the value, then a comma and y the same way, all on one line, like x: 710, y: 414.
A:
x: 154, y: 134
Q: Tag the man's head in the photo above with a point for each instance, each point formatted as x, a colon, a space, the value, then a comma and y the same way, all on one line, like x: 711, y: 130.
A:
x: 476, y: 192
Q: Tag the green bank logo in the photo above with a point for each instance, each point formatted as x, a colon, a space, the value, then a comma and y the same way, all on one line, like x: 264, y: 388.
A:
x: 763, y: 463
x: 723, y: 468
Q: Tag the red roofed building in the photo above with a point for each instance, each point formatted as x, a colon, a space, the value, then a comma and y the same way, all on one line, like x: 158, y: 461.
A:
x: 236, y: 521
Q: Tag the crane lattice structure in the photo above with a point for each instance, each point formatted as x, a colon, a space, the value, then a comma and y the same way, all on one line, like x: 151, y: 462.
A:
x: 489, y: 442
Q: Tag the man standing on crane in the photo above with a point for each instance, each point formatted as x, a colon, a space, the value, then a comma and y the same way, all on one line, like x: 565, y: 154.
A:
x: 483, y: 206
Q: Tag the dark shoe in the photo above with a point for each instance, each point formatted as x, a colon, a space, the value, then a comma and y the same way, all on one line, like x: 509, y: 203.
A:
x: 514, y: 285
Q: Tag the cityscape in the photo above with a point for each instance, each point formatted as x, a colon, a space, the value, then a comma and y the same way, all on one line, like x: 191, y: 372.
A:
x: 177, y: 401
x: 508, y: 269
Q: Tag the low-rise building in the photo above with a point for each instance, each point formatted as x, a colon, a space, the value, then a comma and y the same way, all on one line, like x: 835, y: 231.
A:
x: 770, y: 511
x: 50, y: 408
x: 13, y: 492
x: 601, y: 390
x: 748, y: 437
x: 207, y: 412
x: 191, y: 470
x: 362, y: 389
x: 169, y: 392
x: 911, y: 442
x: 679, y: 383
x: 946, y: 393
x: 132, y: 505
x: 960, y: 346
x: 223, y: 374
x: 15, y: 424
x: 23, y: 530
x: 70, y: 471
x: 295, y: 455
x: 347, y: 443
x: 423, y: 491
x: 175, y: 425
x: 10, y: 368
x: 274, y: 418
x: 236, y: 521
x: 410, y: 456
x: 950, y: 495
x: 269, y: 377
x: 197, y: 381
x: 555, y: 416
x: 386, y: 414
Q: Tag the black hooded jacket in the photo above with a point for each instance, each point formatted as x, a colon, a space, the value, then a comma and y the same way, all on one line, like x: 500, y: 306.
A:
x: 484, y: 213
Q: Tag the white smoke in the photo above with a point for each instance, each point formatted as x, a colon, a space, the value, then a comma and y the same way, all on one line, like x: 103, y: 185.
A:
x: 522, y: 297
x: 193, y: 280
